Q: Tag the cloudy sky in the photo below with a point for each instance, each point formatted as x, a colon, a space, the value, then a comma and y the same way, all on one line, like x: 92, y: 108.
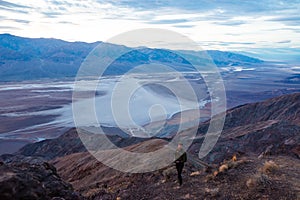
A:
x: 214, y: 24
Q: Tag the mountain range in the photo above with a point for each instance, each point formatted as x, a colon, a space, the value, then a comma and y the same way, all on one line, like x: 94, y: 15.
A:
x: 30, y: 59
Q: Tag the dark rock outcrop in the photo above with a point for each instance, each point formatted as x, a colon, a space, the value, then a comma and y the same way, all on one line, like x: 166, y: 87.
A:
x: 32, y: 178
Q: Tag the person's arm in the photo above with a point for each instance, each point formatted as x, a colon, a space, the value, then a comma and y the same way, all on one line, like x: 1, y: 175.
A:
x: 177, y: 158
x: 184, y: 157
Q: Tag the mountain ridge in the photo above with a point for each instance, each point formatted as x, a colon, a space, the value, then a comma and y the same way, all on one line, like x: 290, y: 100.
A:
x: 37, y: 58
x: 267, y: 127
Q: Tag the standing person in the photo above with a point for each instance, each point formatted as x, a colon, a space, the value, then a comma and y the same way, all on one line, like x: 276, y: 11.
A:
x: 180, y: 159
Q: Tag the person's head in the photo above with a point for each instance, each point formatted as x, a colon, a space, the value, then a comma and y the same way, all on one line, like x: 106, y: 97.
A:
x: 179, y: 146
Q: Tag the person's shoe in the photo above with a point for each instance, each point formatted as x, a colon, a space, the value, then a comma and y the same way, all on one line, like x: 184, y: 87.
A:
x: 177, y: 187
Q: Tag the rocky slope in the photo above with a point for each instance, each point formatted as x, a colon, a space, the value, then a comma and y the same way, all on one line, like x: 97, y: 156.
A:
x: 285, y: 108
x: 247, y: 178
x: 268, y: 127
x: 264, y: 136
x: 32, y: 178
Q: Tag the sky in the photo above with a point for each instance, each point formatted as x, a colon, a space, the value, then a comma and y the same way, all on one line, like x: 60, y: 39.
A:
x: 236, y: 25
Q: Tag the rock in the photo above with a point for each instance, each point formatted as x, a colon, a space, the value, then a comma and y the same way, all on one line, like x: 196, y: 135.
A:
x: 195, y: 173
x: 32, y: 178
x: 169, y: 172
x: 213, y: 191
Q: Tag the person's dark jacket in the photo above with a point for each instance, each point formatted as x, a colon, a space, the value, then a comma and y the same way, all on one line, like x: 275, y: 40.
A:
x: 180, y: 156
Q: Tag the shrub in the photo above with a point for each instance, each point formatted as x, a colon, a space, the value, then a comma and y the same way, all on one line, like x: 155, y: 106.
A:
x: 258, y: 180
x: 234, y: 158
x: 209, y: 177
x: 269, y: 167
x: 223, y: 168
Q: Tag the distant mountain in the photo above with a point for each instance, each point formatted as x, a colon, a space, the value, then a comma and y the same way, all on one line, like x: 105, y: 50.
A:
x: 25, y: 59
x: 28, y: 59
x: 221, y: 58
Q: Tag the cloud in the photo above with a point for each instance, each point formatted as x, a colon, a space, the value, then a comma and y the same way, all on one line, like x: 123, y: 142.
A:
x: 11, y: 5
x: 21, y: 21
x: 230, y: 23
x: 184, y: 26
x: 13, y: 10
x: 284, y: 41
x: 50, y: 14
x: 168, y: 21
x: 9, y: 28
x: 288, y: 20
x: 234, y: 8
x: 66, y: 22
x: 229, y: 43
x: 216, y: 24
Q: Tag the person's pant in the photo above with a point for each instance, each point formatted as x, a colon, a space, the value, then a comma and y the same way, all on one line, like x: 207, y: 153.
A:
x: 179, y: 167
